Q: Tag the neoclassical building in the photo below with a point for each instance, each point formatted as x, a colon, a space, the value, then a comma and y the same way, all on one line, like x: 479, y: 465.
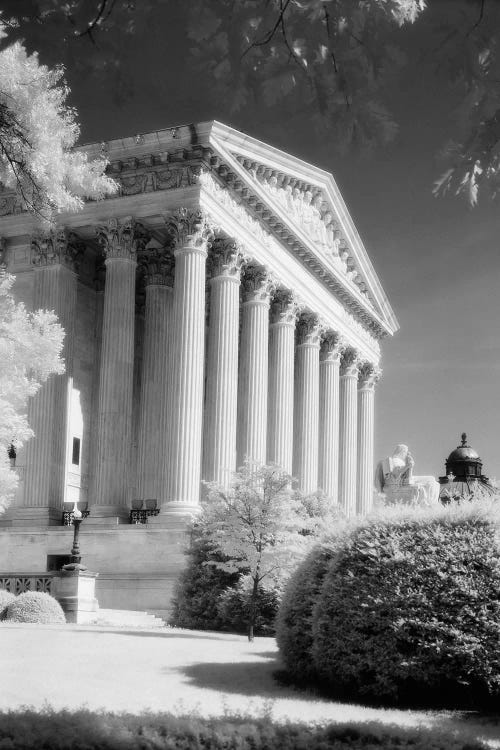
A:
x: 220, y: 307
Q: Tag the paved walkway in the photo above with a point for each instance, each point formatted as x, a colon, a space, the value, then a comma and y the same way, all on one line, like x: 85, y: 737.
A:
x: 175, y: 670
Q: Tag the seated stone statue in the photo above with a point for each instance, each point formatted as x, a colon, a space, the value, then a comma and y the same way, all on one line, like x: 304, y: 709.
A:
x: 394, y: 479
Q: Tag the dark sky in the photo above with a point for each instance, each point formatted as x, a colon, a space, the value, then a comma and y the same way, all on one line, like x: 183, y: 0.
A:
x: 438, y: 259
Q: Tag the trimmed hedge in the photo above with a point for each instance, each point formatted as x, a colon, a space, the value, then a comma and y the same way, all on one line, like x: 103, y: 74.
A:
x: 6, y: 598
x: 407, y: 609
x: 294, y: 619
x: 86, y: 730
x: 35, y: 606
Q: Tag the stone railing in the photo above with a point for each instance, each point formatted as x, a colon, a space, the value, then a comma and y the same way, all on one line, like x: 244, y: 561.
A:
x: 18, y: 583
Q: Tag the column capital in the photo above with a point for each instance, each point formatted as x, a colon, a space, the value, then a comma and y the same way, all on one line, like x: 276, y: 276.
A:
x: 56, y: 247
x: 257, y: 284
x: 188, y: 227
x: 369, y: 375
x: 225, y: 258
x: 332, y: 346
x: 284, y: 307
x: 349, y: 363
x: 157, y: 265
x: 122, y: 238
x: 308, y: 329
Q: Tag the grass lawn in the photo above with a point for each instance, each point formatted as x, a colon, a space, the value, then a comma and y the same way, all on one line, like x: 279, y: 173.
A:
x: 188, y: 672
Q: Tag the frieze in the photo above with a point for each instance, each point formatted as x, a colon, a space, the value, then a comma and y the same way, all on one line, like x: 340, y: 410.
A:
x: 150, y: 181
x: 239, y: 213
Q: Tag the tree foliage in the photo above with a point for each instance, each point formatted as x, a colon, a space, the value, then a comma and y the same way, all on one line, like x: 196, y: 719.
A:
x: 333, y: 57
x: 30, y: 348
x: 37, y: 134
x: 333, y: 60
x: 259, y: 526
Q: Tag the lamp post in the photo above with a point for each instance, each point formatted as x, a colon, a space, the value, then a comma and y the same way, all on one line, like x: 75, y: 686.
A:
x: 75, y: 557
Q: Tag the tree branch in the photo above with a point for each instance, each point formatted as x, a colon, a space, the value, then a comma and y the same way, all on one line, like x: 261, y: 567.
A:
x: 95, y: 22
x: 270, y: 33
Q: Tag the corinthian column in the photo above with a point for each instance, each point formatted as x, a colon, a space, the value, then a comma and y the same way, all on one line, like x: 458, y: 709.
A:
x: 329, y: 364
x: 120, y: 241
x: 158, y: 268
x: 369, y: 375
x: 55, y: 259
x: 281, y: 380
x: 306, y: 416
x: 253, y: 371
x: 190, y: 233
x: 348, y: 430
x: 219, y: 444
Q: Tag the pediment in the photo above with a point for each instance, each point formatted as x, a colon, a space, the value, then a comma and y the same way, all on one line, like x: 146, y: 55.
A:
x: 307, y: 201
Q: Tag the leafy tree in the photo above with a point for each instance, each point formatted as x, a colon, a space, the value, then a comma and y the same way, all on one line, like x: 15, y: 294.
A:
x: 30, y: 348
x: 332, y: 59
x: 37, y: 134
x: 258, y: 526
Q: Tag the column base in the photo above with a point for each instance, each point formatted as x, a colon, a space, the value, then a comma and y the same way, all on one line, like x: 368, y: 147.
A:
x: 31, y: 516
x: 107, y: 515
x: 175, y: 515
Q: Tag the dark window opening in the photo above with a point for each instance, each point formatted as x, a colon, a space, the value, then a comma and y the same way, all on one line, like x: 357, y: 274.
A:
x: 75, y: 460
x: 55, y: 562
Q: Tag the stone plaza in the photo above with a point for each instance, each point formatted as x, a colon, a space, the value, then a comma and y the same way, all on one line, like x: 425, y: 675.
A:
x: 220, y: 307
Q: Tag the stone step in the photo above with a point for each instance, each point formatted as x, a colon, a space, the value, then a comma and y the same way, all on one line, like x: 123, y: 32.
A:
x: 128, y: 618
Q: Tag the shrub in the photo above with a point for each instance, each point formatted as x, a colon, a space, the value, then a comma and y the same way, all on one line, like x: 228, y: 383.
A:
x: 35, y: 606
x: 29, y: 730
x: 199, y: 588
x: 5, y: 599
x: 294, y: 618
x: 233, y: 607
x: 208, y: 598
x: 409, y: 609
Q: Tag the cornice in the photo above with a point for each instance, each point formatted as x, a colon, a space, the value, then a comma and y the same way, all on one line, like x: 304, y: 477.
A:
x: 178, y: 158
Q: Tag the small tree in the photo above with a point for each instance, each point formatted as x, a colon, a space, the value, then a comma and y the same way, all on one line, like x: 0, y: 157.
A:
x: 30, y: 348
x: 258, y: 526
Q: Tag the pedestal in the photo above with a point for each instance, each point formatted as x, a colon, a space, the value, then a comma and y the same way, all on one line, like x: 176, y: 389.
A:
x: 75, y: 592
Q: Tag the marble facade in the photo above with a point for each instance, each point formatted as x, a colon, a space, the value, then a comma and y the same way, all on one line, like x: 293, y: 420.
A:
x: 220, y: 306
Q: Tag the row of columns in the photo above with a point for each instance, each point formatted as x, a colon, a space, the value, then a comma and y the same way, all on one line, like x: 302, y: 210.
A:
x: 281, y: 389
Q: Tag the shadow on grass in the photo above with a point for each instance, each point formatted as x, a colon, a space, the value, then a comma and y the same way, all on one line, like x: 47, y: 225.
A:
x: 160, y: 633
x: 30, y: 730
x: 244, y: 678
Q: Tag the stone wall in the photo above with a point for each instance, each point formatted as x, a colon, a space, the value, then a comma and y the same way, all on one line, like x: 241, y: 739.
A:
x: 138, y: 566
